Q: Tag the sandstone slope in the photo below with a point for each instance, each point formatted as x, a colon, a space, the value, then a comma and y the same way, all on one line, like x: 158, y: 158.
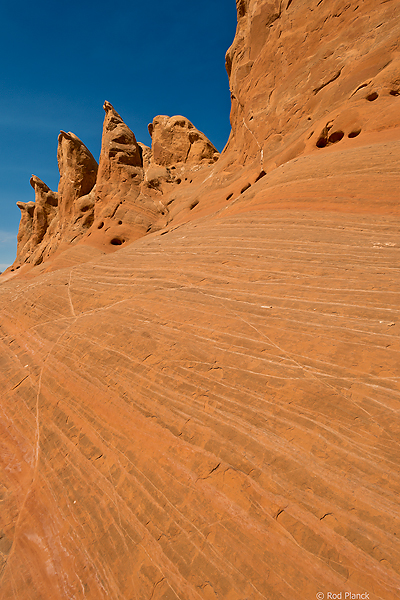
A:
x: 212, y: 410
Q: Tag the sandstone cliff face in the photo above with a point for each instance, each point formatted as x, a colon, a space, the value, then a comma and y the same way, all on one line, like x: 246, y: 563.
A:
x: 212, y: 411
x: 308, y: 74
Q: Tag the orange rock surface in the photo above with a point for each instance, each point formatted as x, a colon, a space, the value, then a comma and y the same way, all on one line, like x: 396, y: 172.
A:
x: 210, y: 409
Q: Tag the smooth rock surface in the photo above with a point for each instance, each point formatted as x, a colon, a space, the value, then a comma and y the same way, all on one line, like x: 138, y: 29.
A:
x: 210, y: 411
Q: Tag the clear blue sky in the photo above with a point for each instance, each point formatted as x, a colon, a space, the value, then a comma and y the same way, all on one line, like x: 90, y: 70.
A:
x: 60, y: 61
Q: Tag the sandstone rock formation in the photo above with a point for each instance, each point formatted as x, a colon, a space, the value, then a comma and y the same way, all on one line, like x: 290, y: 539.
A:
x: 47, y: 222
x: 175, y: 140
x: 122, y: 199
x: 78, y: 172
x: 37, y: 219
x: 212, y: 411
x: 304, y: 75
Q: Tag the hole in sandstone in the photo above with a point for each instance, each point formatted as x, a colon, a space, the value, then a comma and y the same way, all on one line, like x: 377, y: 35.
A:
x: 251, y: 118
x: 311, y: 134
x: 260, y: 175
x: 193, y: 137
x: 361, y: 87
x: 178, y: 181
x: 193, y: 204
x: 100, y: 225
x: 52, y: 201
x: 122, y: 139
x: 116, y: 242
x: 85, y: 208
x: 191, y: 181
x: 372, y: 97
x: 321, y: 143
x: 88, y: 221
x: 245, y: 187
x: 394, y: 92
x: 336, y: 136
x: 119, y: 222
x: 354, y: 133
x: 229, y: 196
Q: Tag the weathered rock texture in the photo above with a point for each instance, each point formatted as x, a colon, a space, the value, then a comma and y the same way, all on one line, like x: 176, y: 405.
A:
x: 121, y: 199
x: 212, y: 411
x: 78, y: 171
x: 308, y: 74
x: 175, y: 140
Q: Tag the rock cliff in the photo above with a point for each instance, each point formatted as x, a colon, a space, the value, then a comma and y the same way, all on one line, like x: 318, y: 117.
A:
x: 199, y: 354
x: 305, y: 75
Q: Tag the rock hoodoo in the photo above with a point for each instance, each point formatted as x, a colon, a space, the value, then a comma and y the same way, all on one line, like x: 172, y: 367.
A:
x: 175, y: 141
x: 199, y: 358
x: 117, y: 201
x: 39, y: 222
x: 78, y: 172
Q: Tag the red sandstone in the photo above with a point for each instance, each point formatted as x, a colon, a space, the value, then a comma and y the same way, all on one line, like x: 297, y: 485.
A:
x: 209, y: 408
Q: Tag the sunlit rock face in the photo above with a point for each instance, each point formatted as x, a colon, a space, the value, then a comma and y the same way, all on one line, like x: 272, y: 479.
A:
x: 116, y: 202
x: 200, y: 390
x: 175, y: 140
x: 308, y: 74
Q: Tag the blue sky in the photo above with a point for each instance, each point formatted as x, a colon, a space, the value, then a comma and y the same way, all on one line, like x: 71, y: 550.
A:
x: 60, y: 61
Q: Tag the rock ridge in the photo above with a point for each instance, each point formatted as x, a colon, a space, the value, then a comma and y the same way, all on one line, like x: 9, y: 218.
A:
x: 112, y: 203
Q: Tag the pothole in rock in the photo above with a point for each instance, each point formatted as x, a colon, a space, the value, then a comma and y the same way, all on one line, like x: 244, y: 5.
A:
x: 354, y: 133
x: 335, y: 137
x: 100, y: 225
x: 260, y: 176
x: 117, y: 241
x: 372, y: 97
x: 322, y: 142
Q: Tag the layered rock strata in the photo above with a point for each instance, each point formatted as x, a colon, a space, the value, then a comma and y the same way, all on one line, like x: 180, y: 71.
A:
x: 212, y: 411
